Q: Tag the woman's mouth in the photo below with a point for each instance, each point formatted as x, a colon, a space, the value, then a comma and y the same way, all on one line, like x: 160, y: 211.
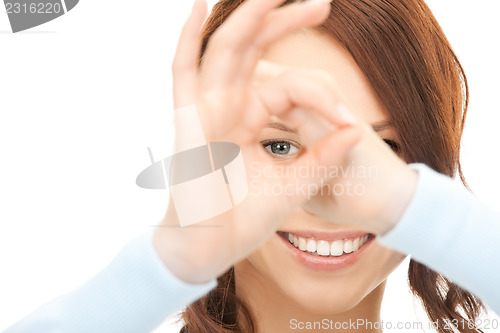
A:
x: 326, y: 251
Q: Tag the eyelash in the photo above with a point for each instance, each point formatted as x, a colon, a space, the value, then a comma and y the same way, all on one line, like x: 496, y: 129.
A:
x: 391, y: 143
x: 291, y: 143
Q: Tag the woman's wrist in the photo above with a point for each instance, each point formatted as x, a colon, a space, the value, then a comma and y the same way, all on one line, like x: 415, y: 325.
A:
x: 399, y: 193
x: 181, y: 256
x: 197, y: 253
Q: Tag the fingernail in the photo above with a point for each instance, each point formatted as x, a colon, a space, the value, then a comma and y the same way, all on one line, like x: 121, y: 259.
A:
x: 315, y: 2
x: 346, y: 115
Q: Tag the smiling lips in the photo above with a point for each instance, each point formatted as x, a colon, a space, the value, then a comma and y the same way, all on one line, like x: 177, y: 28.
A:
x: 325, y: 248
x: 327, y: 252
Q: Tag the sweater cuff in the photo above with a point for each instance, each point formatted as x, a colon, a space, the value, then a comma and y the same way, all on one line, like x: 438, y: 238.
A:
x: 136, y: 292
x: 152, y: 283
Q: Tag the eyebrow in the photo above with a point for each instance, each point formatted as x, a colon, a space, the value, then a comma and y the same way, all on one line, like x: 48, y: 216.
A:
x: 377, y: 126
x: 381, y: 125
x: 282, y: 127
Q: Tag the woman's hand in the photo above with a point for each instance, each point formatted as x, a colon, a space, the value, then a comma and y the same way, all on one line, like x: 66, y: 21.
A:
x: 233, y: 108
x: 373, y: 186
x: 376, y: 185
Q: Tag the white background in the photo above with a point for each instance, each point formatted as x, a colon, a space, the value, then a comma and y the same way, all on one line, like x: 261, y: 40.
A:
x: 83, y: 96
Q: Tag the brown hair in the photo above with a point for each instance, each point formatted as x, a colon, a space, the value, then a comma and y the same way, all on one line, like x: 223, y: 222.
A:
x: 405, y: 55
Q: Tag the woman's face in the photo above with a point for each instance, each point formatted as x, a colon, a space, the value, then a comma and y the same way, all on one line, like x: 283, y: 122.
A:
x: 338, y: 282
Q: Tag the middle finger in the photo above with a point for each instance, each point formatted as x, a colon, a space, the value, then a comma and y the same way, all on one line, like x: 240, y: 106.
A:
x: 233, y: 50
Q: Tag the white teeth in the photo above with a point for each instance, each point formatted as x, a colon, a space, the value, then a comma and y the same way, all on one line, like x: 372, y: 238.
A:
x: 311, y: 245
x: 355, y: 244
x: 348, y: 246
x: 323, y: 248
x: 337, y: 248
x: 302, y: 244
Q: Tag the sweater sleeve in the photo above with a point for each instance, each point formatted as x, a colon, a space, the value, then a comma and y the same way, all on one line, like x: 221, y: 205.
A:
x: 449, y: 230
x: 134, y: 293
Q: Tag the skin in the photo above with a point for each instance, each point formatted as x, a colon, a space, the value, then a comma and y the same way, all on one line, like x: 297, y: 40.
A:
x: 237, y: 94
x: 231, y: 108
x: 268, y: 279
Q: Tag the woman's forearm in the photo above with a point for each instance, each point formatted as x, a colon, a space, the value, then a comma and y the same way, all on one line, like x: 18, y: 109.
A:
x: 448, y: 229
x: 134, y: 293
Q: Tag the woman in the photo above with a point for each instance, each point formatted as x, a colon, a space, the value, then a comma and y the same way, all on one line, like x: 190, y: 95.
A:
x: 391, y: 65
x: 398, y: 71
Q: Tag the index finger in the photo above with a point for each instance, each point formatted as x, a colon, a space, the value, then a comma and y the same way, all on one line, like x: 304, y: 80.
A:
x: 247, y: 18
x: 293, y: 90
x: 185, y: 64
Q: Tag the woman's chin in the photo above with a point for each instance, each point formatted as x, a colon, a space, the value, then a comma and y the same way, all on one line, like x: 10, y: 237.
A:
x: 322, y: 305
x: 329, y: 298
x: 317, y: 286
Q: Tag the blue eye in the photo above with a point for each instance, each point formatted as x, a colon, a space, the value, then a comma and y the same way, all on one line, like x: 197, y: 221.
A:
x: 281, y: 148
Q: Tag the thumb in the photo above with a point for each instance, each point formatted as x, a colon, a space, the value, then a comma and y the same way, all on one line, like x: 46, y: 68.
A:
x: 314, y: 168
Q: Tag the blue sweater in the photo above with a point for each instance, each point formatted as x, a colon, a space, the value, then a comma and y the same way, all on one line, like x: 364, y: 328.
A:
x: 445, y: 227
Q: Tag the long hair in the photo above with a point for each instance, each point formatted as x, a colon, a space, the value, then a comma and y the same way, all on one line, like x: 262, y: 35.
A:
x: 412, y: 68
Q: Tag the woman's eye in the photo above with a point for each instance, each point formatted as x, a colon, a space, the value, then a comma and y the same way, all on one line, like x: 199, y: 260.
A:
x: 280, y: 148
x: 393, y: 145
